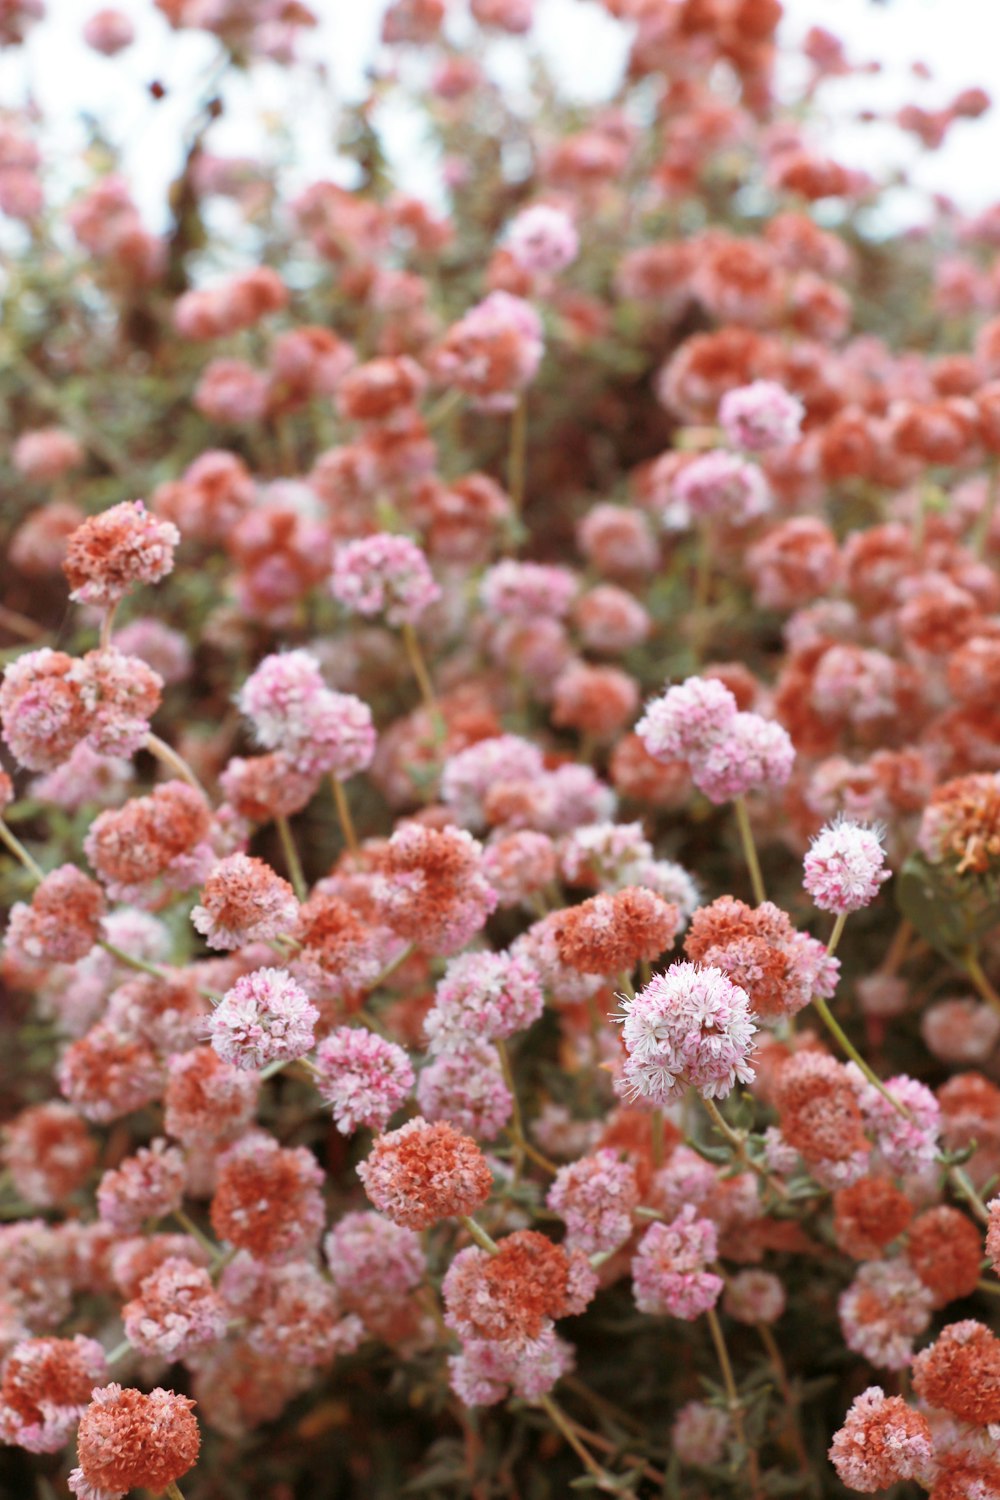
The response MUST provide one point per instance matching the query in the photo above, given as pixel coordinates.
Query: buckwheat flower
(363, 1077)
(135, 1258)
(466, 1087)
(945, 1249)
(721, 486)
(63, 921)
(868, 1215)
(152, 845)
(268, 1199)
(106, 1075)
(277, 695)
(543, 239)
(993, 1233)
(908, 1143)
(483, 995)
(43, 708)
(487, 1371)
(340, 954)
(176, 1311)
(148, 1185)
(883, 1310)
(294, 1314)
(519, 865)
(511, 1295)
(761, 416)
(232, 391)
(207, 1100)
(515, 590)
(844, 867)
(424, 1172)
(595, 1197)
(468, 776)
(121, 694)
(961, 1031)
(46, 453)
(429, 888)
(820, 1117)
(340, 738)
(128, 1439)
(780, 969)
(375, 1266)
(166, 651)
(492, 353)
(960, 1372)
(754, 1297)
(668, 1269)
(85, 778)
(385, 574)
(46, 1389)
(113, 552)
(960, 826)
(687, 720)
(610, 933)
(690, 1025)
(881, 1442)
(750, 754)
(266, 1017)
(699, 1432)
(48, 1152)
(244, 901)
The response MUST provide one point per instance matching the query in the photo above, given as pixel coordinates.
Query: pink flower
(881, 1442)
(844, 866)
(177, 1311)
(45, 453)
(754, 1297)
(882, 1312)
(698, 1433)
(595, 1197)
(751, 753)
(46, 1389)
(543, 239)
(231, 391)
(363, 1077)
(424, 1172)
(687, 720)
(244, 901)
(384, 574)
(761, 416)
(374, 1264)
(721, 486)
(470, 775)
(492, 353)
(487, 1371)
(294, 712)
(264, 1018)
(108, 32)
(466, 1087)
(668, 1269)
(112, 552)
(147, 1185)
(63, 922)
(485, 996)
(908, 1143)
(690, 1025)
(514, 590)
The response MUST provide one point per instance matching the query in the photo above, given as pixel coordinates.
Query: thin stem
(770, 1343)
(191, 1228)
(391, 967)
(835, 935)
(835, 1029)
(107, 625)
(561, 1422)
(292, 861)
(516, 1127)
(419, 666)
(657, 1132)
(962, 1184)
(984, 522)
(437, 414)
(118, 1352)
(172, 1491)
(605, 1445)
(993, 1287)
(174, 762)
(344, 814)
(517, 456)
(478, 1233)
(733, 1399)
(20, 853)
(749, 848)
(974, 969)
(739, 1145)
(130, 962)
(897, 948)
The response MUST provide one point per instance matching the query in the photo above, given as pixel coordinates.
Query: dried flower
(128, 1439)
(690, 1025)
(363, 1077)
(844, 866)
(266, 1017)
(421, 1173)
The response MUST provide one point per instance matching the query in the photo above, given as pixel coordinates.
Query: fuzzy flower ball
(668, 1269)
(845, 867)
(266, 1017)
(129, 1439)
(363, 1077)
(384, 574)
(543, 239)
(691, 1025)
(760, 416)
(881, 1442)
(485, 996)
(421, 1173)
(113, 552)
(687, 719)
(244, 901)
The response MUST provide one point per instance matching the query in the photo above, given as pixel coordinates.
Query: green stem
(749, 848)
(974, 969)
(118, 1352)
(174, 762)
(173, 1492)
(478, 1233)
(517, 457)
(20, 853)
(733, 1400)
(190, 1227)
(835, 935)
(516, 1127)
(739, 1145)
(344, 814)
(835, 1029)
(132, 963)
(415, 655)
(561, 1422)
(292, 861)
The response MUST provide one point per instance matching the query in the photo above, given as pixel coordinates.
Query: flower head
(363, 1077)
(266, 1017)
(668, 1269)
(844, 867)
(244, 901)
(690, 1025)
(421, 1173)
(881, 1442)
(760, 416)
(385, 574)
(129, 1439)
(113, 552)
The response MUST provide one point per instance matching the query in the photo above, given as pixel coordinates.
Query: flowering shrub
(501, 793)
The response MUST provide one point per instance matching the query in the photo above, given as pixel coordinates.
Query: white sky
(959, 39)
